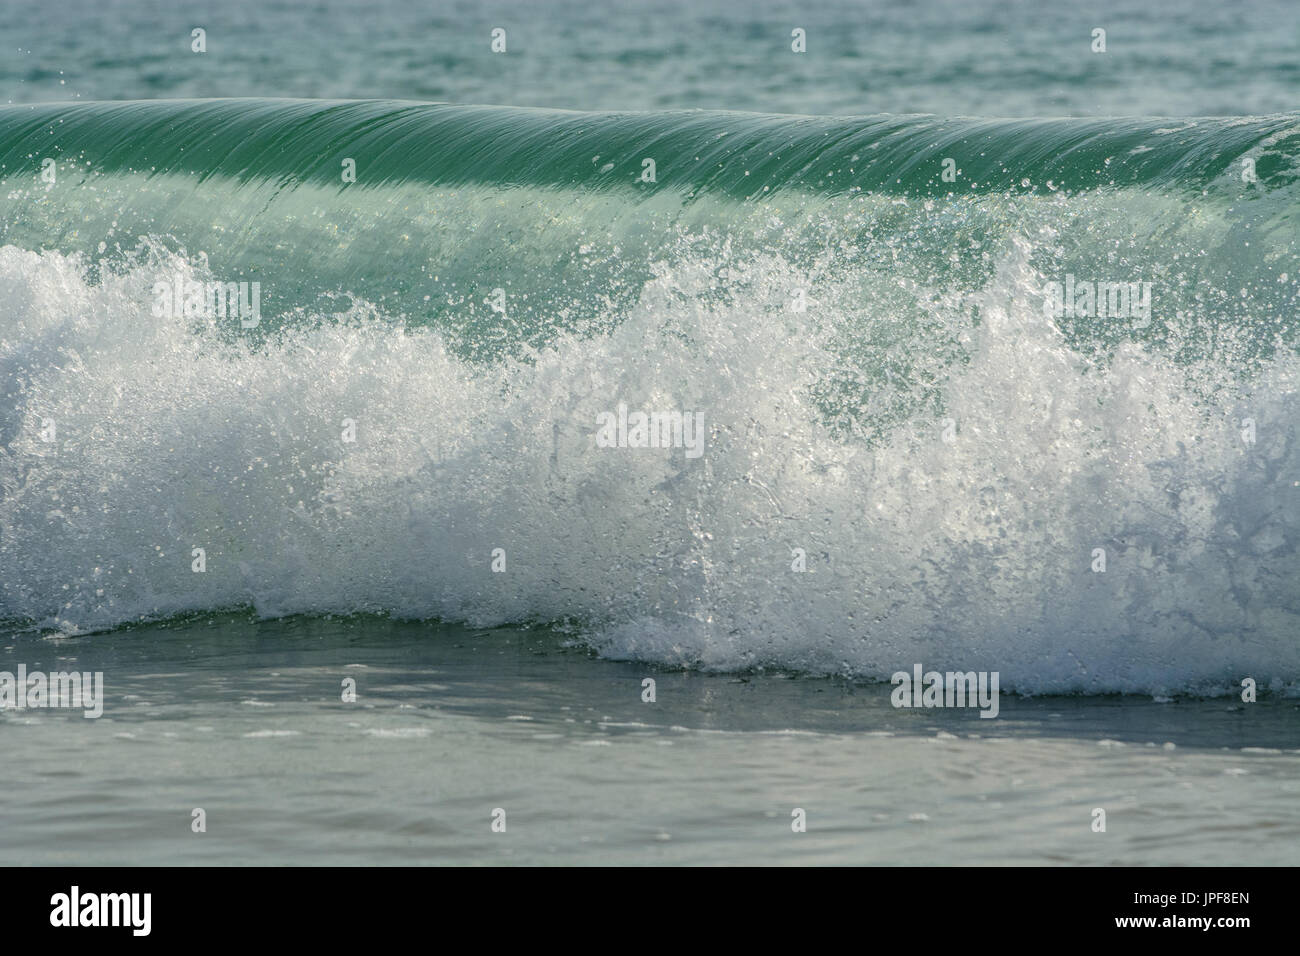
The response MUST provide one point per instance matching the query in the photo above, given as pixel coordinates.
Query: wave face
(866, 330)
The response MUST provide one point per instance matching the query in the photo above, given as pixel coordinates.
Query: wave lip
(741, 155)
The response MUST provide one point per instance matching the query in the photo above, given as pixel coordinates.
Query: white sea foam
(971, 554)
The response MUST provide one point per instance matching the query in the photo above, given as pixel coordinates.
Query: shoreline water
(244, 719)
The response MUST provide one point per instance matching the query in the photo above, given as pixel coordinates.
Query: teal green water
(727, 154)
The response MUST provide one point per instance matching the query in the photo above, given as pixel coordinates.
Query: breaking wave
(888, 403)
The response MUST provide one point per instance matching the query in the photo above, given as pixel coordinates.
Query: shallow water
(244, 719)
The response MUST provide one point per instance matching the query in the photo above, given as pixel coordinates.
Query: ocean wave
(942, 457)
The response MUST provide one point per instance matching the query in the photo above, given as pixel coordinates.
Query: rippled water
(949, 57)
(245, 721)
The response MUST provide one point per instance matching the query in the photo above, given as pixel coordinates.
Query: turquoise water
(394, 473)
